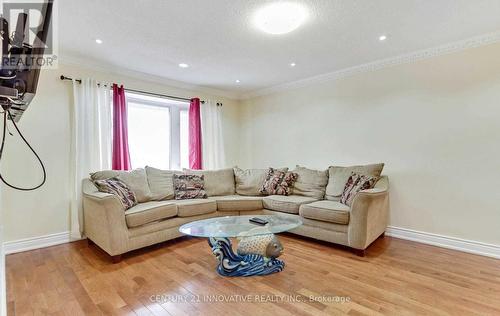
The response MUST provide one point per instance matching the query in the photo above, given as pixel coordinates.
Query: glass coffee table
(258, 247)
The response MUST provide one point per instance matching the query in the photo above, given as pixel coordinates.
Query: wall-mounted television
(20, 63)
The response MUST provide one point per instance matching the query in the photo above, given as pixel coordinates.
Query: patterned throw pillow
(189, 186)
(356, 183)
(278, 182)
(119, 188)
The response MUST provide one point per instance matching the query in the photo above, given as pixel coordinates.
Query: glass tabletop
(239, 226)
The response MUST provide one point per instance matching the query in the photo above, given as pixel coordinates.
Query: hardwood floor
(396, 277)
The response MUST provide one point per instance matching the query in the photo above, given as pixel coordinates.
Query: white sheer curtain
(212, 140)
(91, 137)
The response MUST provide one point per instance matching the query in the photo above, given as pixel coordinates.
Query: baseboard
(3, 295)
(21, 245)
(463, 245)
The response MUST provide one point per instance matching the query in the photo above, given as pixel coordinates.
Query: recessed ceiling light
(293, 64)
(98, 41)
(238, 81)
(183, 65)
(382, 38)
(280, 17)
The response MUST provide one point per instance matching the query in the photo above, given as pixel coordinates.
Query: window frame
(175, 107)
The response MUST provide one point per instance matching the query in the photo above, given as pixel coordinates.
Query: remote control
(258, 221)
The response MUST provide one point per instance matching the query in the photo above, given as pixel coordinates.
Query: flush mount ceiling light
(183, 65)
(293, 64)
(382, 38)
(280, 17)
(238, 81)
(98, 41)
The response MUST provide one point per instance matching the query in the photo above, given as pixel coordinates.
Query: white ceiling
(220, 43)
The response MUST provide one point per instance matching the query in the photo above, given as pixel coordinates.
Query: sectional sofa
(157, 218)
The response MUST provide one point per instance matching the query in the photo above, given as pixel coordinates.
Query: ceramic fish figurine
(265, 245)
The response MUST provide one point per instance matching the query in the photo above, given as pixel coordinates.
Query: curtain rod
(63, 77)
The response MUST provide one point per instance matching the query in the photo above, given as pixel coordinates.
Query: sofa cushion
(326, 211)
(338, 176)
(249, 181)
(286, 204)
(137, 181)
(149, 212)
(217, 182)
(186, 208)
(278, 182)
(238, 203)
(105, 174)
(161, 183)
(311, 183)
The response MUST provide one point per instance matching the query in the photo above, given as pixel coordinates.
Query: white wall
(435, 124)
(46, 126)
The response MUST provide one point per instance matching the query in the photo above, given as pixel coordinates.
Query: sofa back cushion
(217, 182)
(105, 174)
(135, 179)
(161, 183)
(338, 176)
(311, 183)
(249, 181)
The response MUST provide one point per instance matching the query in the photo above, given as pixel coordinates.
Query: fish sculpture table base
(233, 264)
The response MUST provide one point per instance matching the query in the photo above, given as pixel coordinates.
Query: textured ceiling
(220, 43)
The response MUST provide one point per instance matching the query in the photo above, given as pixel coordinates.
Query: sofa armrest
(104, 219)
(369, 215)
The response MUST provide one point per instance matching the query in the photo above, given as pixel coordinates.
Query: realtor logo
(32, 37)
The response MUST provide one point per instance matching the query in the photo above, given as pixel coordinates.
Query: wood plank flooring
(396, 277)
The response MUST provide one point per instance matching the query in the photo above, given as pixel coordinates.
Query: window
(157, 132)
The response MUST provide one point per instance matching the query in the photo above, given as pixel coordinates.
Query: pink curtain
(121, 156)
(194, 134)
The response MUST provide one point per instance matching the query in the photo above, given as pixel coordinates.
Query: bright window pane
(184, 138)
(149, 135)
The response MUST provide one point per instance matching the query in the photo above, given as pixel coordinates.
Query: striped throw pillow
(119, 188)
(356, 183)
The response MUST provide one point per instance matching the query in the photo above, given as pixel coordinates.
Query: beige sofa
(117, 231)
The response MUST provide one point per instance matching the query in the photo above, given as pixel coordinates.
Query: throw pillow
(355, 184)
(338, 177)
(278, 182)
(249, 181)
(119, 188)
(310, 183)
(189, 186)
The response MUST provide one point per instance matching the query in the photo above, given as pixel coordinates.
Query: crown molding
(477, 41)
(409, 58)
(71, 60)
